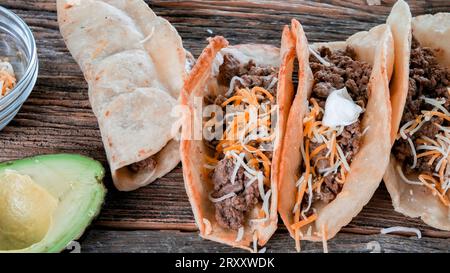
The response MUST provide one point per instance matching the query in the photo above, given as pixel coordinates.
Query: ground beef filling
(148, 164)
(426, 78)
(345, 71)
(251, 75)
(230, 213)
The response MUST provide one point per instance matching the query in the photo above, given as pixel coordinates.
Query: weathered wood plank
(174, 241)
(164, 205)
(57, 117)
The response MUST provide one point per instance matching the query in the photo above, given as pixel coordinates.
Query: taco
(336, 144)
(418, 176)
(231, 178)
(134, 63)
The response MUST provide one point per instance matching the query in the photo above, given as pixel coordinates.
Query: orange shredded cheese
(424, 178)
(225, 103)
(241, 145)
(304, 222)
(438, 114)
(317, 150)
(8, 82)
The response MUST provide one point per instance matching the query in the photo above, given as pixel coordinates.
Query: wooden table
(57, 118)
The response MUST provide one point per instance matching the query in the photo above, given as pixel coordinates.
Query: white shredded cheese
(404, 127)
(318, 57)
(342, 157)
(255, 242)
(300, 180)
(233, 84)
(324, 239)
(237, 165)
(438, 104)
(265, 205)
(240, 234)
(413, 151)
(272, 83)
(251, 181)
(260, 177)
(402, 229)
(406, 180)
(332, 169)
(7, 67)
(246, 167)
(226, 196)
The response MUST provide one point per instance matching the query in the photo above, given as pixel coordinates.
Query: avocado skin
(64, 168)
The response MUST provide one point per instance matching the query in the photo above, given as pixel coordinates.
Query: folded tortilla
(369, 163)
(134, 63)
(203, 82)
(431, 31)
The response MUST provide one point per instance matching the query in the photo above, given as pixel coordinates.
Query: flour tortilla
(134, 63)
(201, 82)
(368, 166)
(431, 31)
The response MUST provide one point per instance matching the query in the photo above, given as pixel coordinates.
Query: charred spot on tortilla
(423, 140)
(340, 90)
(241, 173)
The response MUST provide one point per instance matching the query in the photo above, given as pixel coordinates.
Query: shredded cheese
(325, 138)
(226, 196)
(248, 131)
(236, 168)
(7, 78)
(255, 242)
(437, 149)
(233, 84)
(324, 239)
(402, 175)
(304, 222)
(318, 57)
(402, 229)
(240, 234)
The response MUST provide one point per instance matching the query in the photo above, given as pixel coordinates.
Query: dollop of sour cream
(340, 109)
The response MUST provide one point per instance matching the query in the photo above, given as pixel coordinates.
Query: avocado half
(75, 182)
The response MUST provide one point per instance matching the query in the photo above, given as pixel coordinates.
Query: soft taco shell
(368, 166)
(134, 63)
(431, 31)
(201, 82)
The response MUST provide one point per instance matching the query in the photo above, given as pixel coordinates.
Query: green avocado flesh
(50, 200)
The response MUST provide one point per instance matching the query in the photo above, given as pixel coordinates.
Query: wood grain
(57, 118)
(175, 241)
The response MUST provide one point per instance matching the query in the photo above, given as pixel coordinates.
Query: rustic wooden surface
(57, 118)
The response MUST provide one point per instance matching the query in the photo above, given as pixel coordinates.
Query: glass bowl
(18, 46)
